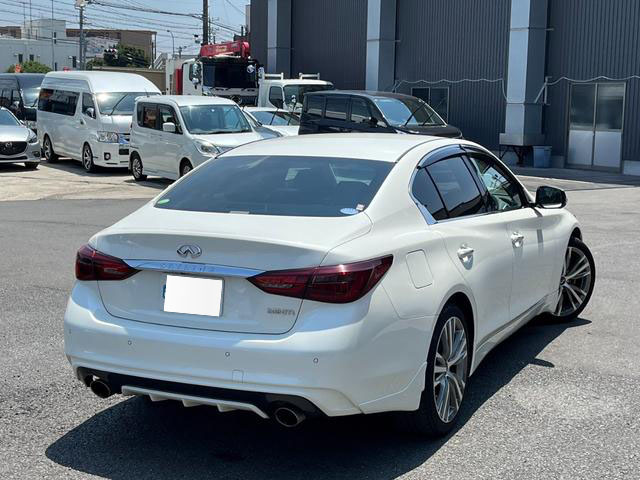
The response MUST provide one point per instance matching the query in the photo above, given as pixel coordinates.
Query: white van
(173, 134)
(275, 91)
(87, 116)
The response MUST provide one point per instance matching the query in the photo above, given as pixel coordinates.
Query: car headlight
(108, 137)
(207, 148)
(33, 138)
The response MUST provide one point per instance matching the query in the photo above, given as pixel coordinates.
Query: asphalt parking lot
(553, 401)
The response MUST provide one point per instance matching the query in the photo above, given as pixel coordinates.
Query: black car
(335, 111)
(19, 93)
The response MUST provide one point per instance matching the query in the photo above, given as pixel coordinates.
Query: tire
(87, 159)
(444, 386)
(185, 167)
(47, 150)
(576, 282)
(31, 165)
(137, 169)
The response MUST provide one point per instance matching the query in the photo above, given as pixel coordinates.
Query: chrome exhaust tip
(289, 416)
(101, 388)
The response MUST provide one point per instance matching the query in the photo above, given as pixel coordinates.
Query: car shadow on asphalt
(140, 439)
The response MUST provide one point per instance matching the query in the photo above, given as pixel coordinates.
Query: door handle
(517, 239)
(465, 253)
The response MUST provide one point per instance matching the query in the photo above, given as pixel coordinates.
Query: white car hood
(230, 140)
(116, 123)
(18, 133)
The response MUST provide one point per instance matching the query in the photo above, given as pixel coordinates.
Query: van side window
(315, 105)
(424, 191)
(360, 111)
(87, 102)
(168, 115)
(275, 96)
(61, 102)
(5, 98)
(336, 108)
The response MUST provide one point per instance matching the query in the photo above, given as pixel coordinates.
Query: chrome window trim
(204, 269)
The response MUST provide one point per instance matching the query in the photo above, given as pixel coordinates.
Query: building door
(596, 112)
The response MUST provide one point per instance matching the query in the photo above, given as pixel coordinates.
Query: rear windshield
(279, 185)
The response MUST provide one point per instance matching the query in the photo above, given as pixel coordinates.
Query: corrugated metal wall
(258, 33)
(589, 38)
(456, 39)
(330, 37)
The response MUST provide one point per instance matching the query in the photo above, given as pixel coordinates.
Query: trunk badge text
(194, 250)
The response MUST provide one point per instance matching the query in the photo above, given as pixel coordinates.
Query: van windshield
(210, 119)
(119, 103)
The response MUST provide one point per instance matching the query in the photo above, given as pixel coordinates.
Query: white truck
(275, 91)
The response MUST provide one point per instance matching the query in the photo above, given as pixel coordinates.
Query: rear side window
(315, 105)
(147, 116)
(456, 186)
(336, 108)
(62, 102)
(279, 185)
(424, 191)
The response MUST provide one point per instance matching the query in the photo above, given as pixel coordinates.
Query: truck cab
(275, 91)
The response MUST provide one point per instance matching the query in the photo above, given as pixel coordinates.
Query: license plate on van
(193, 295)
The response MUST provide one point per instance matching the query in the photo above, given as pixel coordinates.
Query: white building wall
(12, 48)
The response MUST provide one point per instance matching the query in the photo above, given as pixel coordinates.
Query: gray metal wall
(258, 33)
(589, 38)
(330, 37)
(456, 39)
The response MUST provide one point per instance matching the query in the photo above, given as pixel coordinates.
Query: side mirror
(15, 106)
(550, 197)
(376, 123)
(90, 112)
(169, 127)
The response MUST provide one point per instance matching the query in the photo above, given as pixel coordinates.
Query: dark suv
(19, 93)
(335, 111)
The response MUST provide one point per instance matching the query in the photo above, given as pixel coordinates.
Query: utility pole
(205, 22)
(53, 50)
(80, 4)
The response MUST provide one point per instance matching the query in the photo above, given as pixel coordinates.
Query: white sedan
(281, 121)
(324, 275)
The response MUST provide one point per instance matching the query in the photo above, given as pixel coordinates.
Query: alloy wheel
(87, 159)
(137, 168)
(47, 148)
(450, 369)
(186, 169)
(575, 282)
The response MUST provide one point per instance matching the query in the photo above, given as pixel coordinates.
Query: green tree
(126, 56)
(95, 62)
(30, 66)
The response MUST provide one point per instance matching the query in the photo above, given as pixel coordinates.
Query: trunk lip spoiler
(205, 269)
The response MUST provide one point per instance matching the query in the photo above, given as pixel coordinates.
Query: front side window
(456, 187)
(503, 194)
(87, 103)
(210, 119)
(275, 96)
(280, 185)
(360, 111)
(121, 103)
(7, 119)
(336, 108)
(407, 112)
(167, 115)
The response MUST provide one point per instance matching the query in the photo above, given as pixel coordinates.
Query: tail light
(94, 265)
(335, 284)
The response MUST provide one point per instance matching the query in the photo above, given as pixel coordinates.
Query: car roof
(386, 147)
(265, 109)
(372, 94)
(100, 81)
(186, 100)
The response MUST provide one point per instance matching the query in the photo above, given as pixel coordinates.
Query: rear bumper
(362, 367)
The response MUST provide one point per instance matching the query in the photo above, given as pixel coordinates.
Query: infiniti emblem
(193, 250)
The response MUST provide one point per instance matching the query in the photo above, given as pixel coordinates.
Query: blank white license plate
(194, 296)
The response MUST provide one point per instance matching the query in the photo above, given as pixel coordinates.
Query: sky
(227, 12)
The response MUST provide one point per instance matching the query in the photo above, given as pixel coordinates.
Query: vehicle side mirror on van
(90, 112)
(169, 127)
(550, 197)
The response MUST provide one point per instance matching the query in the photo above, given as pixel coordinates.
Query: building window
(31, 57)
(20, 58)
(74, 62)
(436, 97)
